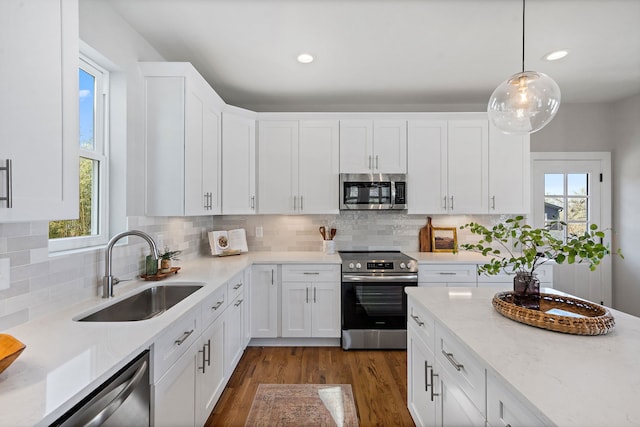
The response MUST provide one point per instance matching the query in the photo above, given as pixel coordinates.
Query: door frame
(604, 158)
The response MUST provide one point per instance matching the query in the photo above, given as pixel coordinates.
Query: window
(90, 228)
(566, 198)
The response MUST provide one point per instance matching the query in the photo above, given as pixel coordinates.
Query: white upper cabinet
(39, 109)
(238, 164)
(182, 137)
(447, 166)
(298, 167)
(509, 173)
(467, 164)
(378, 146)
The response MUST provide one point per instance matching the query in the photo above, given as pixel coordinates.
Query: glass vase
(151, 266)
(526, 291)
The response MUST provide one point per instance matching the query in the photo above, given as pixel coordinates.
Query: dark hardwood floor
(378, 380)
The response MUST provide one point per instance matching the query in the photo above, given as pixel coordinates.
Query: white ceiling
(392, 54)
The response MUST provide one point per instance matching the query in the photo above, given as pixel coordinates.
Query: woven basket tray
(593, 319)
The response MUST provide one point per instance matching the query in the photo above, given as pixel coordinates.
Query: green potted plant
(517, 247)
(165, 259)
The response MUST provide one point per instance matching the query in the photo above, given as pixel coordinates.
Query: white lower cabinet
(447, 385)
(264, 297)
(210, 370)
(311, 301)
(234, 338)
(450, 275)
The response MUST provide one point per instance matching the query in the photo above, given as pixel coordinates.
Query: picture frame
(444, 239)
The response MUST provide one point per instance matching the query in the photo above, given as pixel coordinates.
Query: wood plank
(378, 379)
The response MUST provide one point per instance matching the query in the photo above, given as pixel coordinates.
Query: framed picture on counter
(444, 239)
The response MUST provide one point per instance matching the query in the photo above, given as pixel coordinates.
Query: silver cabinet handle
(294, 202)
(237, 286)
(184, 337)
(253, 202)
(417, 320)
(451, 202)
(433, 386)
(9, 170)
(117, 401)
(447, 273)
(426, 376)
(237, 303)
(369, 161)
(452, 360)
(272, 277)
(311, 272)
(301, 205)
(204, 359)
(314, 295)
(493, 202)
(208, 344)
(307, 297)
(377, 167)
(444, 205)
(206, 201)
(217, 306)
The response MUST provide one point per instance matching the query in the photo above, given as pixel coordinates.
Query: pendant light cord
(523, 4)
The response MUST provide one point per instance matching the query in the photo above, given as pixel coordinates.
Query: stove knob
(358, 265)
(351, 265)
(403, 265)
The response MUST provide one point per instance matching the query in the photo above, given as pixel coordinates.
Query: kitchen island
(559, 379)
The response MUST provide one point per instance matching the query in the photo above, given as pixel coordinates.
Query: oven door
(374, 305)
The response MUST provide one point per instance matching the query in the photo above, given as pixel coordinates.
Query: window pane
(577, 184)
(86, 224)
(553, 184)
(553, 209)
(577, 209)
(87, 110)
(577, 229)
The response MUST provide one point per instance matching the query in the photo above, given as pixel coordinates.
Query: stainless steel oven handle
(117, 401)
(398, 278)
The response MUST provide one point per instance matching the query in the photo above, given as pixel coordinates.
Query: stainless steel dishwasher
(122, 400)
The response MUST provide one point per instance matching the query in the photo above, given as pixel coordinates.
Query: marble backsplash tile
(41, 283)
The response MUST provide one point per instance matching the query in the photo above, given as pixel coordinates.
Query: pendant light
(525, 102)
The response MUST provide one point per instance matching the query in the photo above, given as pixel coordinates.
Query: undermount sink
(150, 302)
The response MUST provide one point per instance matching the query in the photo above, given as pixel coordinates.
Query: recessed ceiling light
(555, 55)
(305, 58)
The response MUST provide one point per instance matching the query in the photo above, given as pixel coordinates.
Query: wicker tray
(583, 317)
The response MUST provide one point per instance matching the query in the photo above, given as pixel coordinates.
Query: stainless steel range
(374, 304)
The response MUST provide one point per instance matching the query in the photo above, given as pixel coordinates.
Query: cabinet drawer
(462, 366)
(544, 273)
(235, 286)
(311, 273)
(423, 322)
(214, 305)
(174, 342)
(504, 408)
(439, 273)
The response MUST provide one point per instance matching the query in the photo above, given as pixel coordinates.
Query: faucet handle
(116, 280)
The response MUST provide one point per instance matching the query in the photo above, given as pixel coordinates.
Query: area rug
(303, 405)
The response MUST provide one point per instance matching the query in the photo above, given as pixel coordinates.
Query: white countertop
(573, 380)
(65, 359)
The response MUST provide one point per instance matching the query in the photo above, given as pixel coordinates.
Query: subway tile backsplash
(41, 283)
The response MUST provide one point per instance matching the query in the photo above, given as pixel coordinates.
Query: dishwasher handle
(117, 401)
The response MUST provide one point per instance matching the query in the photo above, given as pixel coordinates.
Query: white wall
(626, 201)
(613, 127)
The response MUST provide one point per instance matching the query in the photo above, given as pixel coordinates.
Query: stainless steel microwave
(373, 191)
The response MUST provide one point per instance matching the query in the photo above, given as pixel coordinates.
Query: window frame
(100, 154)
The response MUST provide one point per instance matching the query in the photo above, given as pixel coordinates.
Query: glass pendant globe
(524, 103)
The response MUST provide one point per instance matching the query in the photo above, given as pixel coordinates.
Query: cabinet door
(211, 159)
(174, 393)
(318, 168)
(325, 313)
(234, 334)
(277, 167)
(196, 198)
(420, 392)
(504, 408)
(454, 408)
(238, 165)
(210, 374)
(509, 176)
(389, 146)
(467, 151)
(264, 301)
(39, 109)
(427, 166)
(296, 309)
(356, 146)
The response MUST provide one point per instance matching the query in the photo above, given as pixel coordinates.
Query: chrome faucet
(108, 280)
